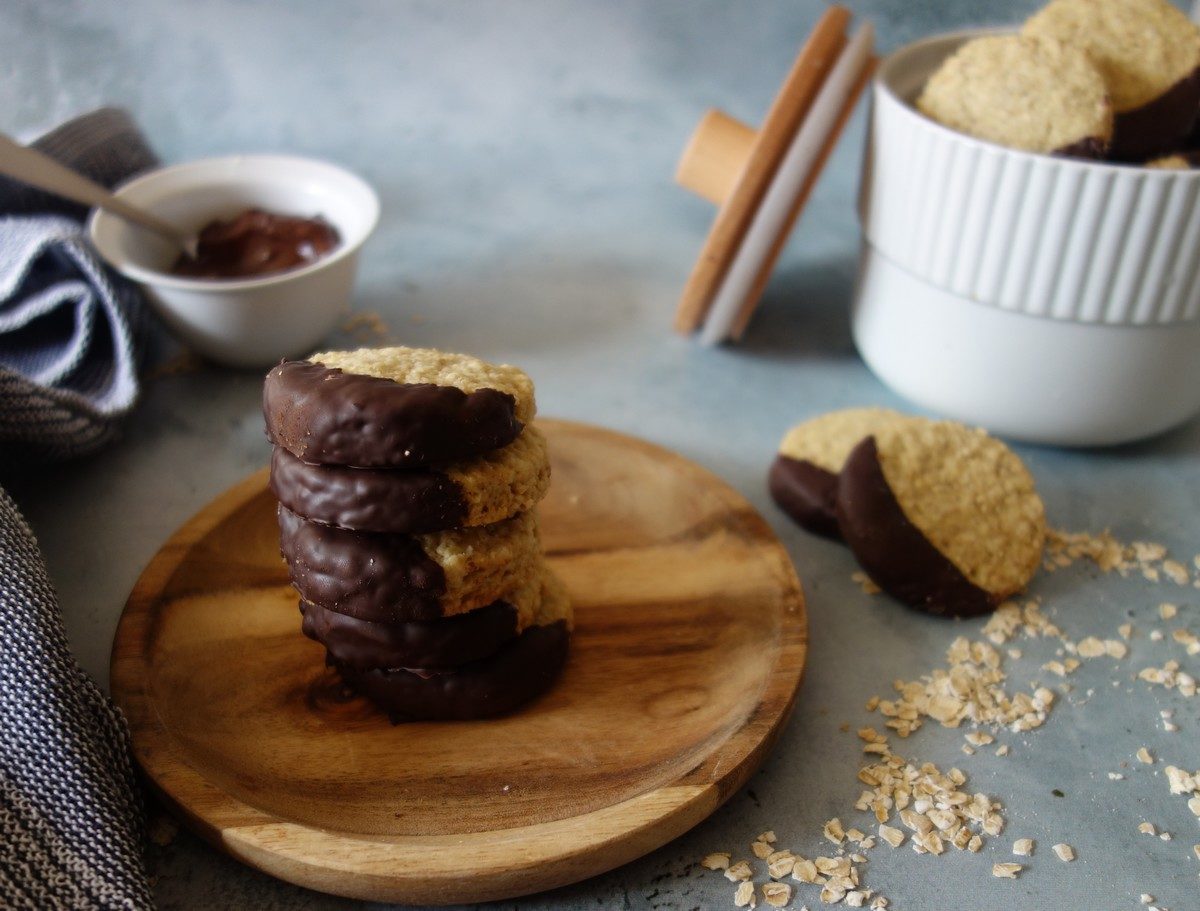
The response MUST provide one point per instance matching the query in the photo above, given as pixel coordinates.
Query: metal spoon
(33, 167)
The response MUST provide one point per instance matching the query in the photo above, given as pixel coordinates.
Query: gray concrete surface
(523, 152)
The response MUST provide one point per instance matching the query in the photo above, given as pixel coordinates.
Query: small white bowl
(243, 322)
(1045, 298)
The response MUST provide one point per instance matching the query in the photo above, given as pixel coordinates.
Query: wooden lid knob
(715, 156)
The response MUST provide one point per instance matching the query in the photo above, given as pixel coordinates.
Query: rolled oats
(777, 894)
(744, 896)
(716, 861)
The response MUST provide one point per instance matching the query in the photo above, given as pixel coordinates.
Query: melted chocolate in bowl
(255, 243)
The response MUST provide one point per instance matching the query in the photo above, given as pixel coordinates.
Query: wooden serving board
(689, 646)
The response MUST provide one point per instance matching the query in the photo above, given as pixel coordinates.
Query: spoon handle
(32, 167)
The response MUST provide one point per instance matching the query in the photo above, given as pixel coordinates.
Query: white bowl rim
(346, 248)
(883, 84)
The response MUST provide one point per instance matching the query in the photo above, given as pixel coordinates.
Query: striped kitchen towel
(71, 330)
(71, 823)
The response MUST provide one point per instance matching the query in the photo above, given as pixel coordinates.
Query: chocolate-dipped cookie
(394, 407)
(943, 517)
(388, 578)
(1148, 53)
(478, 491)
(444, 643)
(524, 668)
(1040, 95)
(803, 477)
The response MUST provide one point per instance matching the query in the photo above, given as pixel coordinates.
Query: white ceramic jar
(1047, 299)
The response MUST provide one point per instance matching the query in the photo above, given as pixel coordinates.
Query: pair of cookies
(1102, 79)
(406, 481)
(942, 516)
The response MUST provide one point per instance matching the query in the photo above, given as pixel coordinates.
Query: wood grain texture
(689, 646)
(796, 95)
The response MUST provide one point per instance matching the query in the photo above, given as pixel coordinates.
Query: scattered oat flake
(805, 871)
(761, 850)
(744, 896)
(1065, 852)
(1175, 571)
(1144, 756)
(739, 872)
(1126, 630)
(1166, 610)
(865, 583)
(833, 831)
(1145, 898)
(1156, 635)
(1115, 776)
(1006, 870)
(1023, 847)
(366, 327)
(768, 837)
(1091, 647)
(1147, 828)
(1181, 782)
(718, 860)
(893, 836)
(777, 894)
(1171, 677)
(1115, 648)
(780, 864)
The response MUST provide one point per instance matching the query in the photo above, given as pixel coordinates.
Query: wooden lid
(761, 179)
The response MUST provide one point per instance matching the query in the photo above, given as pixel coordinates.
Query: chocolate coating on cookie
(807, 493)
(894, 552)
(365, 499)
(1160, 126)
(326, 416)
(444, 643)
(496, 685)
(1091, 148)
(381, 578)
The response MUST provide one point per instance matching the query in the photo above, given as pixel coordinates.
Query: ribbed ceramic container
(1045, 298)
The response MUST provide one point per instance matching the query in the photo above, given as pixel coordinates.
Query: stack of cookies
(407, 480)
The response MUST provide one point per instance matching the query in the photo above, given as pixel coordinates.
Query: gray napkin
(71, 331)
(71, 824)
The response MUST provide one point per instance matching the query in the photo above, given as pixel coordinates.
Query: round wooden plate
(689, 645)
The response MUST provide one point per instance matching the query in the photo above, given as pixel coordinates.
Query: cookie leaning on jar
(941, 516)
